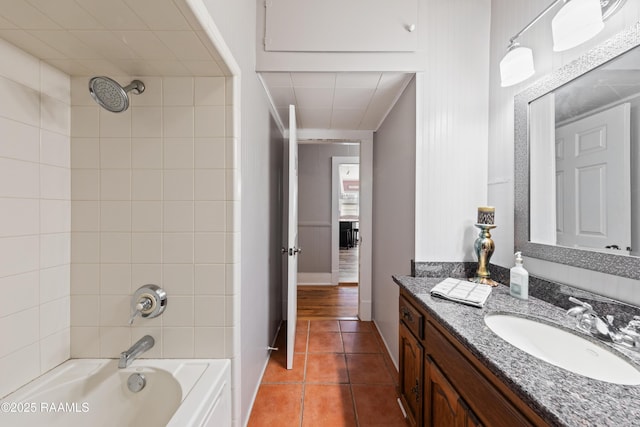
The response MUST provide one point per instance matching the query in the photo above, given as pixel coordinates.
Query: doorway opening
(349, 219)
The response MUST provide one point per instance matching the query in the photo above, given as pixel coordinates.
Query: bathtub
(94, 392)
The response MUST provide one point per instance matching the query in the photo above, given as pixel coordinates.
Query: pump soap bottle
(519, 279)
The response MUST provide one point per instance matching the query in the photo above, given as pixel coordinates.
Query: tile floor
(342, 376)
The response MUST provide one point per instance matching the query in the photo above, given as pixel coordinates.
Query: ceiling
(343, 101)
(113, 37)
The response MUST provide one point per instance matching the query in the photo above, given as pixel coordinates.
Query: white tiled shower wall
(153, 202)
(35, 218)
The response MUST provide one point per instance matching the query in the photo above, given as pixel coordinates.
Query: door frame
(336, 161)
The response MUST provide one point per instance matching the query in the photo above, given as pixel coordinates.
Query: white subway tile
(114, 340)
(54, 349)
(147, 185)
(19, 217)
(210, 184)
(18, 255)
(209, 343)
(178, 122)
(19, 141)
(80, 95)
(115, 153)
(19, 66)
(85, 122)
(55, 182)
(18, 368)
(55, 149)
(209, 248)
(55, 115)
(115, 279)
(115, 184)
(177, 279)
(85, 153)
(54, 316)
(210, 91)
(55, 216)
(177, 91)
(181, 312)
(146, 248)
(115, 310)
(209, 121)
(25, 102)
(232, 248)
(209, 310)
(115, 247)
(210, 216)
(55, 283)
(55, 249)
(210, 153)
(178, 216)
(177, 342)
(85, 279)
(19, 179)
(19, 292)
(177, 248)
(146, 122)
(18, 330)
(178, 184)
(178, 155)
(85, 247)
(232, 154)
(115, 216)
(142, 274)
(115, 125)
(209, 279)
(146, 216)
(146, 153)
(86, 215)
(85, 342)
(85, 184)
(55, 83)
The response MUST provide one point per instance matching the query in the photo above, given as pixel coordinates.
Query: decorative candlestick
(484, 246)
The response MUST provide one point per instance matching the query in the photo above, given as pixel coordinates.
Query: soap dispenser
(519, 279)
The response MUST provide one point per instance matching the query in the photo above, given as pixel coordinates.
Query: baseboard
(393, 360)
(364, 309)
(315, 279)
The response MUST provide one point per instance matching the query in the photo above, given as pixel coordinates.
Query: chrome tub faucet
(143, 344)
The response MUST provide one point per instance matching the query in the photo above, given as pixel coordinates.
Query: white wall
(507, 18)
(35, 217)
(393, 211)
(260, 292)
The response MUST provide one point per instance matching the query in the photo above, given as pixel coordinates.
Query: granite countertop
(559, 396)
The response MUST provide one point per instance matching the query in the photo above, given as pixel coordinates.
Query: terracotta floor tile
(277, 405)
(300, 345)
(277, 371)
(377, 405)
(326, 368)
(325, 342)
(325, 325)
(356, 326)
(368, 369)
(328, 405)
(357, 342)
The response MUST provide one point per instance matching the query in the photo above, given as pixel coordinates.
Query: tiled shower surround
(152, 202)
(95, 204)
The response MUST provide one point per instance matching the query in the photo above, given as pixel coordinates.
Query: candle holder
(484, 248)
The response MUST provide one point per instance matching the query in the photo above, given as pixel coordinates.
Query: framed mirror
(577, 161)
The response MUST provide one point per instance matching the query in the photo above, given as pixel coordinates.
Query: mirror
(577, 147)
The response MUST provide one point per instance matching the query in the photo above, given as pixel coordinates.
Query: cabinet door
(411, 374)
(441, 399)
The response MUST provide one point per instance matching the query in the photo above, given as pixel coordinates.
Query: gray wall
(314, 203)
(394, 177)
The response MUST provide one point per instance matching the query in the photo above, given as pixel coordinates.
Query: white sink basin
(563, 348)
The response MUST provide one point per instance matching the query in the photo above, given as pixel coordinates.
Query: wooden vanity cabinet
(443, 385)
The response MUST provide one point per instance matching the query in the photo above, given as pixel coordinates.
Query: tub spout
(142, 345)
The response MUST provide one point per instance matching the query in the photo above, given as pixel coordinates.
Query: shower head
(110, 95)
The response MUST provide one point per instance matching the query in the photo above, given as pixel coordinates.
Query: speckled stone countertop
(559, 396)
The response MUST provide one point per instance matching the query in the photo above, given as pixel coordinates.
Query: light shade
(517, 65)
(575, 23)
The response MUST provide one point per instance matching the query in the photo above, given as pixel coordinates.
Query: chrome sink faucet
(142, 345)
(589, 321)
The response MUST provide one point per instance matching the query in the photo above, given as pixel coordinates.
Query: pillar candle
(486, 214)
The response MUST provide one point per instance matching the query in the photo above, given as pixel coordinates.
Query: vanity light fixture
(576, 22)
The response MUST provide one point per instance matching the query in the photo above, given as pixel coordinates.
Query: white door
(292, 239)
(593, 170)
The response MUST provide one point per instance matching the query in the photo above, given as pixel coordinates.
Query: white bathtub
(94, 392)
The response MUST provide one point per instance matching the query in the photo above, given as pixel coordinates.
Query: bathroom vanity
(454, 371)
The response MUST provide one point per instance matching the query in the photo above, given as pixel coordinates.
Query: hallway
(342, 376)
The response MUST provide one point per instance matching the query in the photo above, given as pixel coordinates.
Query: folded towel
(475, 294)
